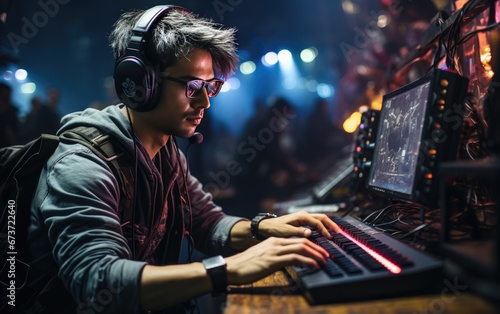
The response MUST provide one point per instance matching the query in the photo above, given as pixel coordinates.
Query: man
(111, 264)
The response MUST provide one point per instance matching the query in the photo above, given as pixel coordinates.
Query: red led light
(393, 268)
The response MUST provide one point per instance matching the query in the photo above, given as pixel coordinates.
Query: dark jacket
(78, 230)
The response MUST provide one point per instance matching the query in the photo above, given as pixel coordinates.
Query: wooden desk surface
(275, 294)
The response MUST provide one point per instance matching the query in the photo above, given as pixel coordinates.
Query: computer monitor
(419, 127)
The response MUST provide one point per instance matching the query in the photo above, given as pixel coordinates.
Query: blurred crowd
(43, 117)
(280, 152)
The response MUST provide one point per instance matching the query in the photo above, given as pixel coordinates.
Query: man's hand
(294, 225)
(271, 255)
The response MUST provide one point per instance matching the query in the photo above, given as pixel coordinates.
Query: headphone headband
(149, 19)
(135, 76)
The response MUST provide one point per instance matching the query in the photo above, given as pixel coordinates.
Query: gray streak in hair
(175, 36)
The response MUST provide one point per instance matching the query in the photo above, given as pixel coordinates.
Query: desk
(276, 294)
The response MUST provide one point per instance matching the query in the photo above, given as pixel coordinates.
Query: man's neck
(150, 140)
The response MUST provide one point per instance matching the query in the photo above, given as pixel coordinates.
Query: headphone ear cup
(136, 83)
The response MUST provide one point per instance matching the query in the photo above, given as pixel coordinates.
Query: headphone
(136, 79)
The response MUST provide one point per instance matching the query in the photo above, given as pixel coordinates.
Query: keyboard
(341, 173)
(364, 264)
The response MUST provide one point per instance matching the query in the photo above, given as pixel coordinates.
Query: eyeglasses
(194, 87)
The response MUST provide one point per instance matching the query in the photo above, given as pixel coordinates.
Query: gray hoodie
(76, 230)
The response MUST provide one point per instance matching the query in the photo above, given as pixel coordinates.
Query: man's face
(175, 113)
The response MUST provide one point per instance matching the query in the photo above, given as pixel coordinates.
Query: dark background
(69, 48)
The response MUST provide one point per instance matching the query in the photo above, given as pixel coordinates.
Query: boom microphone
(196, 138)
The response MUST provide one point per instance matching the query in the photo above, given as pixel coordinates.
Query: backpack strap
(111, 150)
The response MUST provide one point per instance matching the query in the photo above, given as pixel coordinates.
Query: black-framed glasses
(194, 87)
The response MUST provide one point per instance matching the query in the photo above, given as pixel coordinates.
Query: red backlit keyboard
(364, 264)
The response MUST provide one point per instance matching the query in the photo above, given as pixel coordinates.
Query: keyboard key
(332, 270)
(347, 265)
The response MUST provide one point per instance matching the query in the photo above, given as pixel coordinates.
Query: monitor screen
(395, 159)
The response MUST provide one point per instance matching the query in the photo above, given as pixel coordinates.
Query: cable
(190, 239)
(437, 55)
(455, 32)
(379, 212)
(451, 34)
(134, 200)
(184, 175)
(470, 34)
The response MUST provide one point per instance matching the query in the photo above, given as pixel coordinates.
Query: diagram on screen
(399, 139)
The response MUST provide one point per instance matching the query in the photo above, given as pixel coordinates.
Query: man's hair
(175, 36)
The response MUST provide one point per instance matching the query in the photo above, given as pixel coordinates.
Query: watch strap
(216, 270)
(254, 225)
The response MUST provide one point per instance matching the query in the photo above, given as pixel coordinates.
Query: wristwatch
(216, 270)
(254, 225)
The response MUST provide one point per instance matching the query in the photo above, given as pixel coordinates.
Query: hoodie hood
(111, 120)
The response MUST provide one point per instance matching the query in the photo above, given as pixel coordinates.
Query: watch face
(215, 261)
